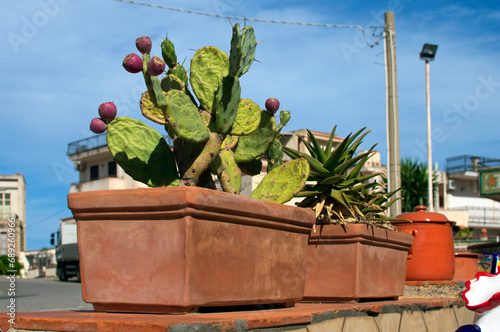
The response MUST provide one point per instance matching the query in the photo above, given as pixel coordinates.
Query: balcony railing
(482, 215)
(86, 144)
(470, 163)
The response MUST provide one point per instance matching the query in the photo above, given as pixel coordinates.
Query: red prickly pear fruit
(143, 44)
(98, 126)
(272, 105)
(107, 111)
(132, 63)
(156, 66)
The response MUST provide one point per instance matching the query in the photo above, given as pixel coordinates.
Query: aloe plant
(337, 190)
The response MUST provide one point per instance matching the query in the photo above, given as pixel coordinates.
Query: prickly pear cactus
(275, 152)
(142, 152)
(283, 182)
(208, 67)
(214, 133)
(257, 143)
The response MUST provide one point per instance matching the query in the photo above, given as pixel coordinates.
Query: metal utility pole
(393, 159)
(429, 140)
(428, 54)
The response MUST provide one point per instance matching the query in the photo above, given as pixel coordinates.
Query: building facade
(461, 192)
(12, 208)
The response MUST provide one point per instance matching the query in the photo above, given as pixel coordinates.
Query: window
(3, 243)
(94, 172)
(112, 169)
(5, 205)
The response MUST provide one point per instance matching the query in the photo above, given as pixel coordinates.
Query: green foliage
(414, 184)
(464, 232)
(215, 134)
(5, 266)
(339, 192)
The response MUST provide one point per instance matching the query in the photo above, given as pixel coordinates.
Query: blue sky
(62, 58)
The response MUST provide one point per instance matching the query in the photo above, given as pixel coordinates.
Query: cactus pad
(229, 142)
(208, 66)
(248, 118)
(168, 52)
(242, 52)
(150, 111)
(256, 144)
(170, 82)
(226, 103)
(180, 72)
(283, 182)
(251, 168)
(183, 118)
(230, 177)
(142, 152)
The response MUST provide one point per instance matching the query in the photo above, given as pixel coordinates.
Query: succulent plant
(339, 192)
(214, 132)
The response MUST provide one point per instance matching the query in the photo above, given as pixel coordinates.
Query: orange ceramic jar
(432, 256)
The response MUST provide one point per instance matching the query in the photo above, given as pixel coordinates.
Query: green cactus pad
(248, 118)
(229, 142)
(230, 177)
(284, 118)
(180, 72)
(150, 111)
(242, 54)
(251, 168)
(282, 183)
(142, 152)
(183, 118)
(208, 66)
(168, 53)
(249, 44)
(226, 103)
(170, 82)
(235, 52)
(274, 154)
(254, 145)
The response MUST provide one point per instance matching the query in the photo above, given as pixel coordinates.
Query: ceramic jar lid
(421, 215)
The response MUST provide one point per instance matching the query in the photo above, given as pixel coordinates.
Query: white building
(12, 207)
(461, 194)
(97, 170)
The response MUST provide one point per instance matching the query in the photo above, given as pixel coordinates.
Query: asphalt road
(43, 294)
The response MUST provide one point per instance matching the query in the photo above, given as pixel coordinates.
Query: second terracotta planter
(172, 250)
(355, 262)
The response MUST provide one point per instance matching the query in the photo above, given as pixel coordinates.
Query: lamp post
(428, 53)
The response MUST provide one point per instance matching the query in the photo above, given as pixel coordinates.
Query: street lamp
(428, 53)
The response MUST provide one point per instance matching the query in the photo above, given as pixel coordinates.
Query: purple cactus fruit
(132, 63)
(97, 126)
(143, 44)
(107, 111)
(272, 105)
(156, 66)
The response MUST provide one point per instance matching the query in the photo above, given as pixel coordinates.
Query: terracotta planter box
(466, 266)
(360, 262)
(172, 250)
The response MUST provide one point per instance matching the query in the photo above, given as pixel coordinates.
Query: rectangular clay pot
(172, 250)
(466, 266)
(356, 262)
